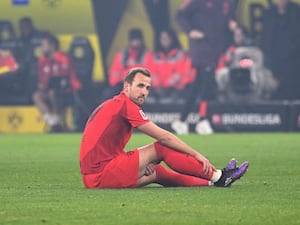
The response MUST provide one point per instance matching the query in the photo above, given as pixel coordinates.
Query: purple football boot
(231, 165)
(230, 176)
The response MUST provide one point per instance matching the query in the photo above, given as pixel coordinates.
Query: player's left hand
(208, 168)
(150, 169)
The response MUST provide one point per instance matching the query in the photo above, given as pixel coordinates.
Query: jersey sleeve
(134, 114)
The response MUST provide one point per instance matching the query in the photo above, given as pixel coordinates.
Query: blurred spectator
(28, 32)
(8, 73)
(205, 23)
(8, 65)
(171, 66)
(240, 39)
(14, 83)
(240, 75)
(30, 42)
(57, 81)
(280, 41)
(134, 55)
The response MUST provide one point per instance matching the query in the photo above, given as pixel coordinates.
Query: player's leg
(177, 161)
(169, 178)
(183, 164)
(53, 98)
(121, 172)
(180, 126)
(147, 155)
(40, 101)
(208, 90)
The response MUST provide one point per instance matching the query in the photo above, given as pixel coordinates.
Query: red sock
(169, 178)
(203, 109)
(181, 163)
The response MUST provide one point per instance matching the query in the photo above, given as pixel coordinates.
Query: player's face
(47, 49)
(136, 43)
(165, 40)
(139, 89)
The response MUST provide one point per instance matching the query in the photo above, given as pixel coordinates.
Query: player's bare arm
(168, 139)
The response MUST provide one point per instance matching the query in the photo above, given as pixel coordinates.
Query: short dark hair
(51, 39)
(26, 20)
(132, 72)
(174, 39)
(135, 33)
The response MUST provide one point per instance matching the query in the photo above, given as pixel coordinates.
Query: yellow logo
(79, 52)
(15, 120)
(5, 35)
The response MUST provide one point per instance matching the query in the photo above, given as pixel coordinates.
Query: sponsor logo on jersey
(143, 115)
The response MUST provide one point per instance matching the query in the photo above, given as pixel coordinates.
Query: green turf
(41, 184)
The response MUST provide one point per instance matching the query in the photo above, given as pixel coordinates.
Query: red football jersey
(107, 132)
(59, 65)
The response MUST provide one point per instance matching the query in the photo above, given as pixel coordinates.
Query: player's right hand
(150, 169)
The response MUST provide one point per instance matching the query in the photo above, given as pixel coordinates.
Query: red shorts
(121, 172)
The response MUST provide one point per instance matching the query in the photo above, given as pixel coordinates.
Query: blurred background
(59, 59)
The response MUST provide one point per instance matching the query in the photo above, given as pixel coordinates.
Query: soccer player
(105, 164)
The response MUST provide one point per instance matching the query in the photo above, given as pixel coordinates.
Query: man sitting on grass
(105, 164)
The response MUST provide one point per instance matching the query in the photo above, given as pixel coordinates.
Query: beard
(139, 100)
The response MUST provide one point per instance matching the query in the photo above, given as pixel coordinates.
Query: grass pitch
(40, 183)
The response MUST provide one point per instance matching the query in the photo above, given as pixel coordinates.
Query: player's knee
(148, 153)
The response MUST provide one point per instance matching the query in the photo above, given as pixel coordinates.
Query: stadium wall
(264, 117)
(26, 119)
(281, 116)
